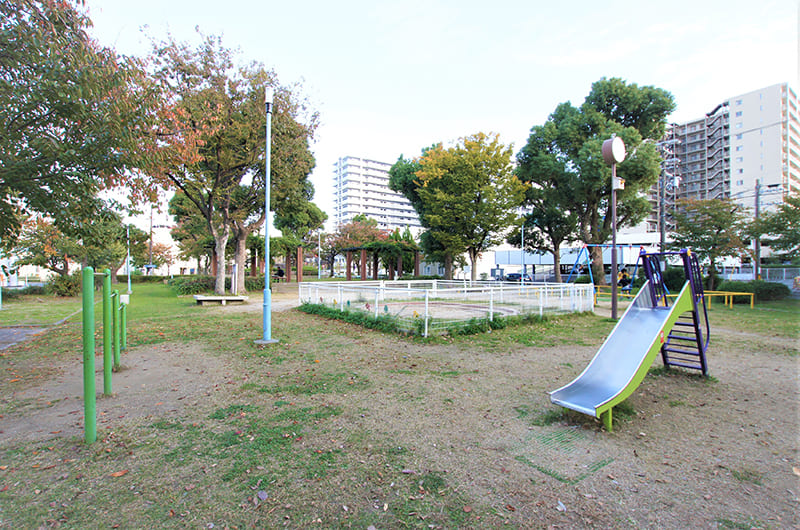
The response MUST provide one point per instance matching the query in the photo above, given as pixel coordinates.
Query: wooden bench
(203, 299)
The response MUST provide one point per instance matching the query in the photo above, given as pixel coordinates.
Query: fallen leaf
(119, 473)
(796, 471)
(262, 495)
(467, 509)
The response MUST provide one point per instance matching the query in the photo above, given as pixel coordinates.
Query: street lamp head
(269, 95)
(614, 150)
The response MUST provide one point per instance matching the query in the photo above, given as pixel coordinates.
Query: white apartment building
(361, 186)
(746, 149)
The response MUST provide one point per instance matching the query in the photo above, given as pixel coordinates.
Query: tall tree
(211, 131)
(212, 138)
(71, 112)
(713, 228)
(549, 223)
(470, 195)
(574, 136)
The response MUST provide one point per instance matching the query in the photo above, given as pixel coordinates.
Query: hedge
(764, 291)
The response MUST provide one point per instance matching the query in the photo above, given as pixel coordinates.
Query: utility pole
(757, 264)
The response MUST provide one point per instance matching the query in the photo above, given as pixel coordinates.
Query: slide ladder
(686, 344)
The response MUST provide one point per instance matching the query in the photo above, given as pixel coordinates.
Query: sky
(391, 77)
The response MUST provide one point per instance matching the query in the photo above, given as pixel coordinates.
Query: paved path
(14, 335)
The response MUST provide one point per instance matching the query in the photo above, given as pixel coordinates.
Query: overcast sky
(391, 77)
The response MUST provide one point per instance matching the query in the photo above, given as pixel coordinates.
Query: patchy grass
(337, 426)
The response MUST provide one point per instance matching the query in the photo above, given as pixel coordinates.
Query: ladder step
(684, 365)
(682, 352)
(682, 337)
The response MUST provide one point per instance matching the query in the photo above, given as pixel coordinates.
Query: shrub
(184, 285)
(770, 290)
(13, 294)
(66, 285)
(763, 291)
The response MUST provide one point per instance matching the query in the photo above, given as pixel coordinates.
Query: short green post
(124, 315)
(115, 310)
(89, 397)
(107, 331)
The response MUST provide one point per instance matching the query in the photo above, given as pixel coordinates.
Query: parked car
(517, 277)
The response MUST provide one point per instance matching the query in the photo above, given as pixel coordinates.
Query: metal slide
(625, 357)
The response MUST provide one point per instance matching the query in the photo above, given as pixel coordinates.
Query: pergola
(394, 249)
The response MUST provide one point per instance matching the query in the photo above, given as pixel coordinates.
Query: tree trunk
(557, 261)
(473, 258)
(220, 241)
(240, 258)
(598, 270)
(448, 266)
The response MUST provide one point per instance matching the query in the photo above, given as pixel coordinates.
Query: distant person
(279, 273)
(624, 278)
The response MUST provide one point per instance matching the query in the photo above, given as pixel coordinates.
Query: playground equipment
(655, 321)
(114, 341)
(584, 259)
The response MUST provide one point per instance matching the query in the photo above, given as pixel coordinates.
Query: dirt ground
(723, 453)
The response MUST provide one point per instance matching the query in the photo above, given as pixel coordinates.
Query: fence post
(491, 306)
(124, 315)
(541, 304)
(377, 295)
(426, 313)
(89, 397)
(107, 331)
(115, 309)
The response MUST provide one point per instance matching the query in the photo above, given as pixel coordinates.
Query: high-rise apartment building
(748, 146)
(361, 186)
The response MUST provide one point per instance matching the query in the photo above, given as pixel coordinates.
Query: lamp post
(128, 259)
(613, 154)
(266, 337)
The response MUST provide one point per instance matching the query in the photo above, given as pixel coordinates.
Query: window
(740, 182)
(739, 125)
(740, 159)
(740, 171)
(738, 113)
(739, 147)
(739, 136)
(738, 102)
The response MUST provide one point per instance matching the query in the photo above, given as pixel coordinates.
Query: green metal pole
(124, 315)
(107, 330)
(115, 309)
(89, 397)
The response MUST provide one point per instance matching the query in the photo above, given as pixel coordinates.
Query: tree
(71, 112)
(470, 195)
(782, 227)
(41, 243)
(714, 228)
(212, 138)
(549, 223)
(573, 136)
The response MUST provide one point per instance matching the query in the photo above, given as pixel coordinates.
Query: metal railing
(435, 306)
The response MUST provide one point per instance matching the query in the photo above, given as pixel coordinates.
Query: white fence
(434, 306)
(769, 274)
